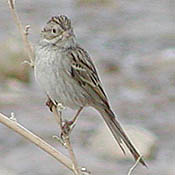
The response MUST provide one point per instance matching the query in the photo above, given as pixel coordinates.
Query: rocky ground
(133, 46)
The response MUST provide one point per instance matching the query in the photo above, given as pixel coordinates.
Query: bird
(67, 75)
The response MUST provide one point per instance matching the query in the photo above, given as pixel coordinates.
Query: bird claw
(50, 104)
(67, 127)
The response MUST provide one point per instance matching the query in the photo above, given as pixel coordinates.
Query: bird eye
(54, 30)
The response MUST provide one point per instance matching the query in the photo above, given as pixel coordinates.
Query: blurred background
(133, 46)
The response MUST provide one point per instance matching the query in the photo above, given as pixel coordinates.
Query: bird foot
(50, 104)
(67, 127)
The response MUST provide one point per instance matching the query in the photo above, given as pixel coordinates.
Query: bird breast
(52, 74)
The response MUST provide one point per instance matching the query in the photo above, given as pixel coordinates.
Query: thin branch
(15, 126)
(23, 31)
(58, 116)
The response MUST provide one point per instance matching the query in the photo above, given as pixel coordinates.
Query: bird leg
(67, 126)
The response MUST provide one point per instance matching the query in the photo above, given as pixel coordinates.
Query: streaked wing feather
(84, 71)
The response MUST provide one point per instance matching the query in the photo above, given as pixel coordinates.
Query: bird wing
(84, 72)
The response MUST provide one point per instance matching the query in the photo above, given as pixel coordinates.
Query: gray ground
(133, 46)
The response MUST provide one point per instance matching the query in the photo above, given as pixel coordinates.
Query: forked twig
(58, 117)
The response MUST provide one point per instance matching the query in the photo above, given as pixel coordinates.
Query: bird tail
(119, 134)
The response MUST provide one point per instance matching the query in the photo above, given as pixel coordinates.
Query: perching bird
(68, 76)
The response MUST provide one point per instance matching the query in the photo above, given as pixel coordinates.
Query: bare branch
(15, 126)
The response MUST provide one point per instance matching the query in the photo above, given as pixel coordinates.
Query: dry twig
(23, 32)
(15, 126)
